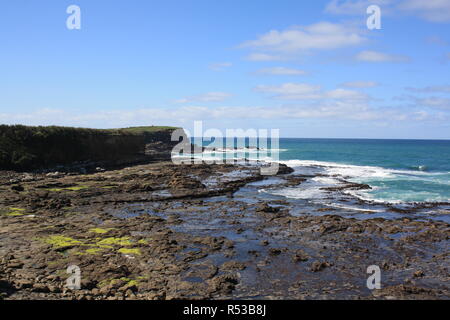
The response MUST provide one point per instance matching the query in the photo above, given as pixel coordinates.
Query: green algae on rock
(101, 230)
(13, 212)
(59, 241)
(130, 251)
(76, 188)
(124, 241)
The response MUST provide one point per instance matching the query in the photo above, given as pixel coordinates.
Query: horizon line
(416, 139)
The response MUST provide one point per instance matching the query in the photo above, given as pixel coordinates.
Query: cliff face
(25, 148)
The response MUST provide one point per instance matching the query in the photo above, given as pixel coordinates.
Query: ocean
(398, 171)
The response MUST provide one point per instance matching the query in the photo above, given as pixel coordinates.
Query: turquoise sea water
(397, 170)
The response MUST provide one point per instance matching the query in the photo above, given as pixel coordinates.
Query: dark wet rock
(266, 208)
(229, 244)
(233, 265)
(325, 209)
(40, 287)
(275, 251)
(284, 169)
(24, 283)
(349, 186)
(253, 253)
(138, 187)
(264, 242)
(409, 291)
(333, 227)
(317, 266)
(15, 264)
(224, 283)
(418, 274)
(18, 188)
(184, 182)
(300, 256)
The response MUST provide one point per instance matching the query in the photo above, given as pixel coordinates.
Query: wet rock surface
(161, 231)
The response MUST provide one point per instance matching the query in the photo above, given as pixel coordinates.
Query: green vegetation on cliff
(24, 147)
(142, 130)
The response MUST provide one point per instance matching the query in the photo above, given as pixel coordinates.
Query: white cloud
(220, 66)
(345, 94)
(282, 71)
(375, 56)
(430, 89)
(430, 10)
(207, 97)
(304, 91)
(434, 103)
(421, 115)
(292, 91)
(318, 36)
(436, 40)
(359, 84)
(263, 57)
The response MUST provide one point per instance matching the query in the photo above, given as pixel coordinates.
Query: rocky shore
(165, 231)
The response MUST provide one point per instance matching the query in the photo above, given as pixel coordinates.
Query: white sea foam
(334, 205)
(350, 171)
(336, 172)
(241, 150)
(308, 190)
(308, 193)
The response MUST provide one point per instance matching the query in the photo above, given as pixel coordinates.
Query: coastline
(162, 231)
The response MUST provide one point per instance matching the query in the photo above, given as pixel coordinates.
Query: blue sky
(308, 68)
